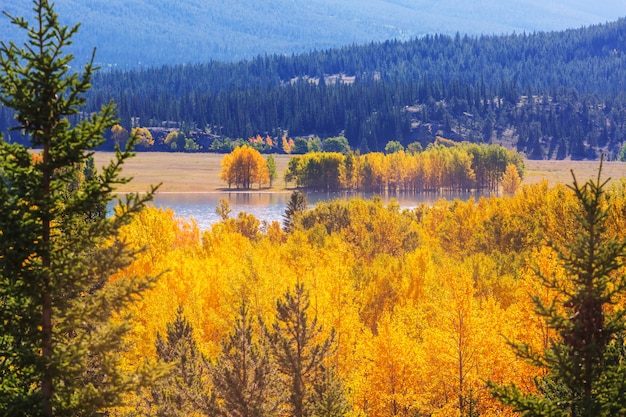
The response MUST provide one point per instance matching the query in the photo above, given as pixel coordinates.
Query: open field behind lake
(199, 172)
(179, 172)
(561, 171)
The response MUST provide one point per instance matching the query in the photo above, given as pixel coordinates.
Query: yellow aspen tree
(415, 172)
(437, 167)
(243, 167)
(175, 140)
(457, 343)
(396, 164)
(390, 379)
(378, 170)
(461, 174)
(144, 137)
(350, 172)
(526, 326)
(510, 179)
(333, 293)
(119, 135)
(226, 173)
(457, 230)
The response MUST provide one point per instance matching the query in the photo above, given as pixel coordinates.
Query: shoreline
(198, 173)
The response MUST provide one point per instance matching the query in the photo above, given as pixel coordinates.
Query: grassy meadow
(199, 172)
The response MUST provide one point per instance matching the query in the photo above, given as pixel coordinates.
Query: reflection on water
(201, 206)
(268, 206)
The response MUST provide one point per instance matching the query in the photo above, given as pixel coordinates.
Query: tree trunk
(47, 388)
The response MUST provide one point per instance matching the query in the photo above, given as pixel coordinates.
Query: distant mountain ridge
(550, 95)
(164, 32)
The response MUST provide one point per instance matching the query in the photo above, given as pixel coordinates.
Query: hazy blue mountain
(156, 32)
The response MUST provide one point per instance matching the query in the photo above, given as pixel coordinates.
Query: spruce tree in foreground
(585, 361)
(302, 358)
(243, 375)
(295, 207)
(183, 392)
(58, 342)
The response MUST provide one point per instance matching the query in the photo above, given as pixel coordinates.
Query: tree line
(549, 95)
(446, 166)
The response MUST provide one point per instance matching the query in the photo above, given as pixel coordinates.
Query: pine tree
(184, 391)
(329, 395)
(59, 345)
(295, 207)
(243, 375)
(299, 353)
(585, 374)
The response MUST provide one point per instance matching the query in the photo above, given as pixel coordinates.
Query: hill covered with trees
(549, 95)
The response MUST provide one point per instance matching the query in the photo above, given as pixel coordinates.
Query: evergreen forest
(549, 95)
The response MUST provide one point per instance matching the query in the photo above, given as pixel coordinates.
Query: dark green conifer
(58, 345)
(243, 376)
(584, 362)
(185, 390)
(295, 207)
(329, 395)
(300, 355)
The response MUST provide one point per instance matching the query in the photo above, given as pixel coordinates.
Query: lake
(270, 206)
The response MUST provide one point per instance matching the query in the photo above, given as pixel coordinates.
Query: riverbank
(199, 172)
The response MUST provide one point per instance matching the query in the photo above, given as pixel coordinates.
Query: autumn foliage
(447, 166)
(419, 304)
(243, 167)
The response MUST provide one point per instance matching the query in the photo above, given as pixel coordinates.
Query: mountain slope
(156, 32)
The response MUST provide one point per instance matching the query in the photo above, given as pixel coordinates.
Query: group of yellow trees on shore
(418, 306)
(446, 166)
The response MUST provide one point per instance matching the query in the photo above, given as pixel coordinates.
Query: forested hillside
(550, 95)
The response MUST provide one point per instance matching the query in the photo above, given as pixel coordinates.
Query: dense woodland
(411, 312)
(549, 95)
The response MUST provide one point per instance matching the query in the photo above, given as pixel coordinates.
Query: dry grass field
(561, 171)
(199, 172)
(179, 172)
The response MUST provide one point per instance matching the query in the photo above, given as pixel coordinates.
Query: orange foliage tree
(243, 167)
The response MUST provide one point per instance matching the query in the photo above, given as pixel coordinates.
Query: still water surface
(268, 206)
